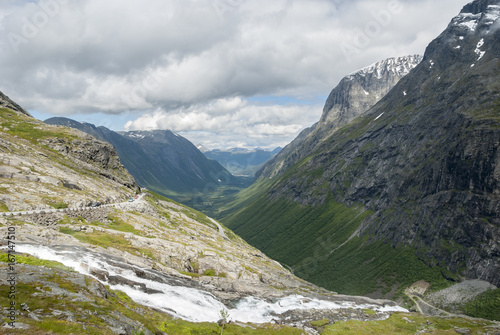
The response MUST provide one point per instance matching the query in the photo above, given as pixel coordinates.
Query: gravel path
(124, 204)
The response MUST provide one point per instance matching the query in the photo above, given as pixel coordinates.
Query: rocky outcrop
(71, 295)
(95, 155)
(358, 92)
(6, 102)
(352, 97)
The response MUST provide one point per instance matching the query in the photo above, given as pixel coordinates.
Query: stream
(181, 298)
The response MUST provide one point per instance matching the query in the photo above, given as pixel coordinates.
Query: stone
(17, 325)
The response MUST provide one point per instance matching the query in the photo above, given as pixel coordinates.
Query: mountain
(407, 191)
(241, 161)
(188, 165)
(161, 160)
(353, 96)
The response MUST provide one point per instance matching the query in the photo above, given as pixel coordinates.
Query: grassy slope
(21, 126)
(311, 241)
(486, 305)
(408, 324)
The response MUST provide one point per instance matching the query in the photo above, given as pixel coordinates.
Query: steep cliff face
(422, 165)
(358, 92)
(352, 97)
(96, 155)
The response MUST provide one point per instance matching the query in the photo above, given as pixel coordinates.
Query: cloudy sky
(223, 73)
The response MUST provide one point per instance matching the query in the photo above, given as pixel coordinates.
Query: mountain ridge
(160, 160)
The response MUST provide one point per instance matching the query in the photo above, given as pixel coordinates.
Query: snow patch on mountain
(492, 14)
(471, 21)
(467, 20)
(478, 50)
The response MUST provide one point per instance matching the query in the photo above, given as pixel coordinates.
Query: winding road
(219, 227)
(418, 301)
(69, 210)
(87, 208)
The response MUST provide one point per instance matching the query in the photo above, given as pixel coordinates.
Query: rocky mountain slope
(407, 191)
(161, 160)
(6, 102)
(42, 166)
(353, 96)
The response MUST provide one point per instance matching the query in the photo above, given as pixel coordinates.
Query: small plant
(60, 205)
(224, 315)
(320, 323)
(3, 207)
(369, 312)
(209, 273)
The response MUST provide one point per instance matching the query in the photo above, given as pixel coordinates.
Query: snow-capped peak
(400, 66)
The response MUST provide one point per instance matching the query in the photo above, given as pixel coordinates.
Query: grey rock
(119, 330)
(98, 156)
(98, 289)
(33, 316)
(25, 307)
(17, 325)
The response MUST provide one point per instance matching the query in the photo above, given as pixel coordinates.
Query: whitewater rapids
(170, 295)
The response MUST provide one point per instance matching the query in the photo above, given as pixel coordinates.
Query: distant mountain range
(241, 162)
(162, 161)
(403, 187)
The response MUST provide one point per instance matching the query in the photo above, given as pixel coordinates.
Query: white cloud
(248, 124)
(200, 59)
